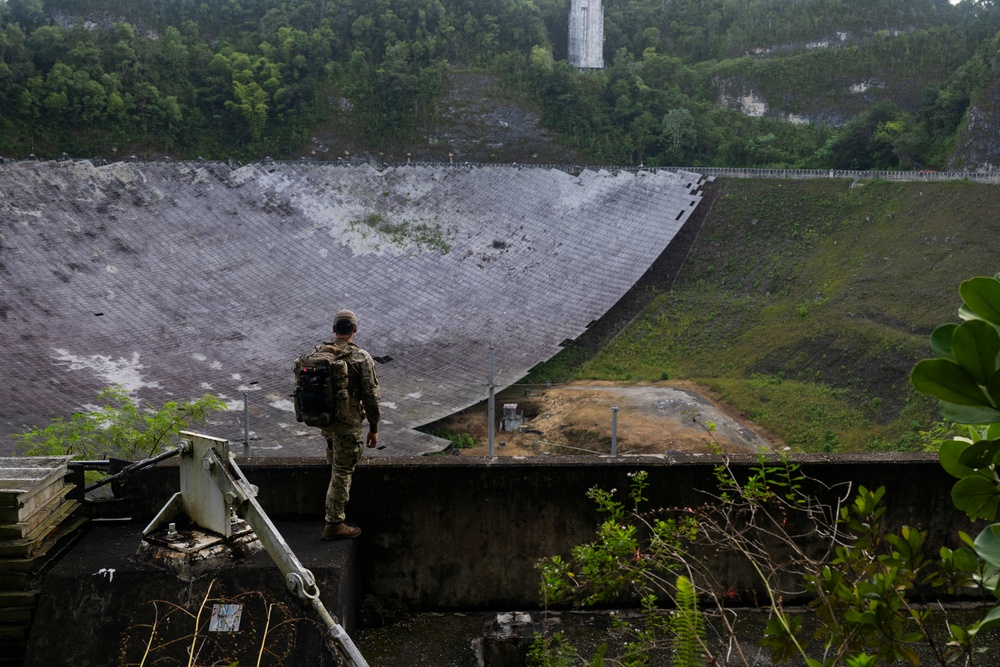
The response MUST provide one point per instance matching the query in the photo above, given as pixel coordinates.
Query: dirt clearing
(577, 418)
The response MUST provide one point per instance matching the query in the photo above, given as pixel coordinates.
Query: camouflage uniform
(347, 437)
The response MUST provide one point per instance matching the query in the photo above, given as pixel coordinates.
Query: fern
(689, 627)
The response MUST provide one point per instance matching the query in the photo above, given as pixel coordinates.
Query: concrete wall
(466, 533)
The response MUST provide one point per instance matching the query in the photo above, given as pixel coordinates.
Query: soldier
(344, 439)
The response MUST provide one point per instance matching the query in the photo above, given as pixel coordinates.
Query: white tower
(586, 34)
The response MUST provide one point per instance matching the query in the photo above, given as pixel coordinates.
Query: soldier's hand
(372, 439)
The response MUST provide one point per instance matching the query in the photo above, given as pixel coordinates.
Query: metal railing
(989, 176)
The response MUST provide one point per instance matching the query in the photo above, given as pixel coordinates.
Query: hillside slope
(688, 82)
(804, 305)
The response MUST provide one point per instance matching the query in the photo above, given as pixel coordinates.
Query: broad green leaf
(988, 544)
(993, 432)
(975, 346)
(993, 387)
(950, 454)
(854, 616)
(965, 561)
(977, 497)
(991, 620)
(948, 381)
(969, 414)
(982, 296)
(941, 341)
(980, 455)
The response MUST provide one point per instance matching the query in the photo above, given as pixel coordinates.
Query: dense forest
(249, 78)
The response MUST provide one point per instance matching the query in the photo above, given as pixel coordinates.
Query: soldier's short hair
(344, 326)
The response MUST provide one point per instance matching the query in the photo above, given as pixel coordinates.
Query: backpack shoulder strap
(337, 352)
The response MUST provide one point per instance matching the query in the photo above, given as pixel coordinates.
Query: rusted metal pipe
(138, 465)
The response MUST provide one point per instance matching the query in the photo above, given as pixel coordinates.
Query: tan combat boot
(340, 531)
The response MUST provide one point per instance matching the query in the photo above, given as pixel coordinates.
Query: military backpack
(321, 397)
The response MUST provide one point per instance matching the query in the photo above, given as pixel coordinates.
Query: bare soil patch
(577, 418)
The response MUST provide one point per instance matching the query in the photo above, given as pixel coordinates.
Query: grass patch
(805, 304)
(404, 233)
(563, 367)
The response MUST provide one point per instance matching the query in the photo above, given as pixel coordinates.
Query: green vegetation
(870, 591)
(421, 234)
(965, 377)
(120, 428)
(804, 304)
(456, 440)
(864, 584)
(251, 78)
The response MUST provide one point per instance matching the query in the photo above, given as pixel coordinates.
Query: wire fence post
(614, 431)
(246, 422)
(490, 406)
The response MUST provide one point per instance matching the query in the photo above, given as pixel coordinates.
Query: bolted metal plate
(226, 618)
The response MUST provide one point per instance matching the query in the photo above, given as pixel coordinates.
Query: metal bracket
(203, 481)
(212, 488)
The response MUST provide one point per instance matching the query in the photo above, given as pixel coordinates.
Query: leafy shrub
(120, 427)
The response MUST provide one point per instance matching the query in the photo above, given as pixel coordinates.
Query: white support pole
(614, 431)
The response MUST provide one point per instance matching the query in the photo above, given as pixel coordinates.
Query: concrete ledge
(466, 533)
(100, 604)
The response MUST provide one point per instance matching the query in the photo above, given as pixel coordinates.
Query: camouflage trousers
(348, 442)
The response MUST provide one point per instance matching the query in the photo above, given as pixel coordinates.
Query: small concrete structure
(512, 417)
(586, 34)
(193, 553)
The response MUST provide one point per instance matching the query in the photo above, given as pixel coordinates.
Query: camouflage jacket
(362, 382)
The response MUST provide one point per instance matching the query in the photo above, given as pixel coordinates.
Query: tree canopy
(248, 78)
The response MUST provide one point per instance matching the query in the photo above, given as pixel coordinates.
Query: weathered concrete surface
(440, 535)
(100, 605)
(176, 279)
(466, 532)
